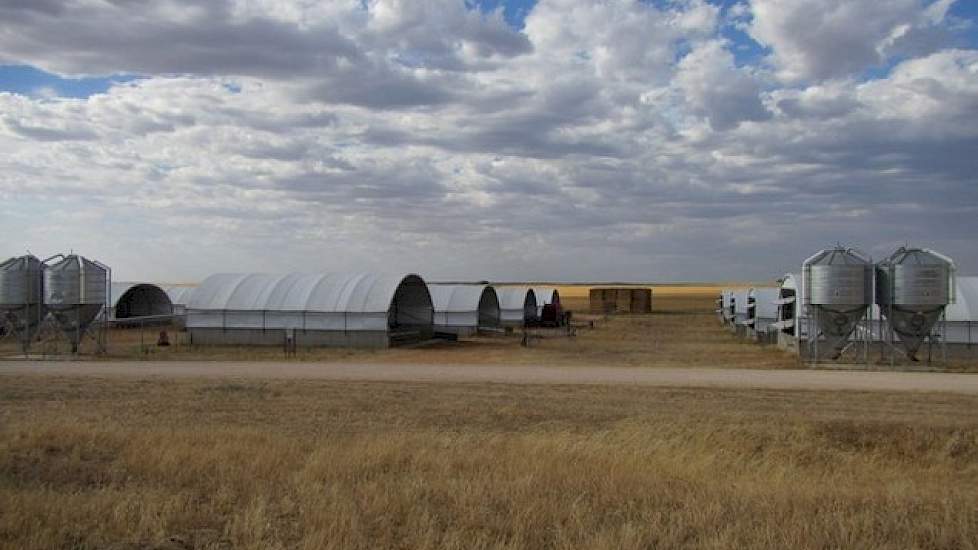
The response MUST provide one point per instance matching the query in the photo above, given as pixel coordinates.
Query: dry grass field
(126, 463)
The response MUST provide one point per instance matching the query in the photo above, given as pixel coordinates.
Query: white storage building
(464, 309)
(740, 311)
(179, 297)
(792, 318)
(962, 316)
(762, 309)
(319, 309)
(517, 306)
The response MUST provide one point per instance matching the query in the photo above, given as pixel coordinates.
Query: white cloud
(818, 39)
(715, 88)
(620, 140)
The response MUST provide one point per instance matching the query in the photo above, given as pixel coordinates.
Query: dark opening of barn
(488, 308)
(411, 313)
(139, 304)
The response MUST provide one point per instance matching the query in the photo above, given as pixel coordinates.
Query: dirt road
(677, 377)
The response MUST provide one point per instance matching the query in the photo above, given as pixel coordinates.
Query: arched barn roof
(457, 298)
(515, 297)
(318, 292)
(765, 301)
(179, 294)
(791, 281)
(965, 306)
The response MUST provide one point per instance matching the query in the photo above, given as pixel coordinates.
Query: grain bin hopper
(913, 288)
(838, 283)
(21, 302)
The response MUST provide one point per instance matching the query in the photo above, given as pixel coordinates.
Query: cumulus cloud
(714, 87)
(622, 140)
(819, 39)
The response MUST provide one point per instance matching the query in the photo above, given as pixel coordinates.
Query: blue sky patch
(31, 81)
(514, 11)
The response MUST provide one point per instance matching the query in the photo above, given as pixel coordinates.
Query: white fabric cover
(965, 306)
(545, 295)
(740, 302)
(458, 305)
(179, 294)
(516, 304)
(310, 301)
(456, 298)
(764, 300)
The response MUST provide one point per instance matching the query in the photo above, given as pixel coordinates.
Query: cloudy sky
(557, 139)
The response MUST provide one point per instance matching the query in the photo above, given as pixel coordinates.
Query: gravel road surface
(512, 374)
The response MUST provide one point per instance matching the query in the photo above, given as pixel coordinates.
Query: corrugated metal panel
(75, 281)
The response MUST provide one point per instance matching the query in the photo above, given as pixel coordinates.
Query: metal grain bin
(839, 292)
(21, 300)
(836, 284)
(76, 290)
(913, 287)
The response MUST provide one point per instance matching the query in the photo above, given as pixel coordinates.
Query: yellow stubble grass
(88, 463)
